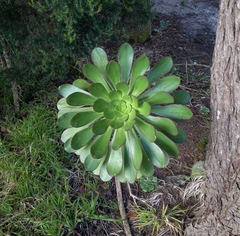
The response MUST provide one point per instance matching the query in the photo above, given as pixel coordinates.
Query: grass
(33, 185)
(143, 217)
(35, 192)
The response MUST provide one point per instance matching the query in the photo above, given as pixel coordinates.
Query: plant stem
(13, 83)
(121, 208)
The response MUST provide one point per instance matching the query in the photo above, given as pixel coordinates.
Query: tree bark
(220, 215)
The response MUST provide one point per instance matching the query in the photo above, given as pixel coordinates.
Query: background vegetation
(42, 41)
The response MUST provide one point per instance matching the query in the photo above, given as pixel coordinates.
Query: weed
(148, 184)
(163, 24)
(144, 217)
(184, 3)
(204, 111)
(202, 143)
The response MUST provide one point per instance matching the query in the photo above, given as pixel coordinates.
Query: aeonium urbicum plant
(120, 119)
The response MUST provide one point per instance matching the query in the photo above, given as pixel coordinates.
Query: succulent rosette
(121, 121)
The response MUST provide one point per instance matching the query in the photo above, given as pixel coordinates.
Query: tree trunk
(220, 215)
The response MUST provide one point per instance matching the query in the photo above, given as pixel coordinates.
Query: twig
(193, 64)
(121, 208)
(186, 88)
(186, 68)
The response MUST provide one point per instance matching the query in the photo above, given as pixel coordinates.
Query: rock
(198, 169)
(179, 180)
(195, 16)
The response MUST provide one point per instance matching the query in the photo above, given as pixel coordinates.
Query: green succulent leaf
(180, 137)
(147, 168)
(117, 123)
(181, 97)
(91, 164)
(129, 169)
(160, 69)
(81, 138)
(62, 103)
(66, 89)
(84, 118)
(100, 145)
(98, 90)
(162, 124)
(123, 88)
(65, 120)
(155, 153)
(115, 95)
(94, 75)
(167, 84)
(132, 115)
(79, 151)
(115, 162)
(178, 112)
(166, 144)
(81, 83)
(121, 176)
(113, 72)
(127, 99)
(144, 109)
(134, 102)
(140, 86)
(85, 151)
(147, 129)
(67, 146)
(70, 109)
(160, 98)
(97, 170)
(133, 149)
(103, 171)
(125, 59)
(100, 105)
(129, 125)
(109, 113)
(80, 99)
(119, 138)
(69, 133)
(99, 58)
(100, 126)
(139, 175)
(139, 68)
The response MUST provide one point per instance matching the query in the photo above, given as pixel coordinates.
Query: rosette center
(121, 107)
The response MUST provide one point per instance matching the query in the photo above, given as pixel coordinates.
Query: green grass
(147, 216)
(35, 194)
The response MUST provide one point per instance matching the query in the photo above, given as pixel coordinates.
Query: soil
(196, 17)
(192, 56)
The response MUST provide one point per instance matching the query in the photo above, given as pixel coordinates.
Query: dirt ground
(192, 57)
